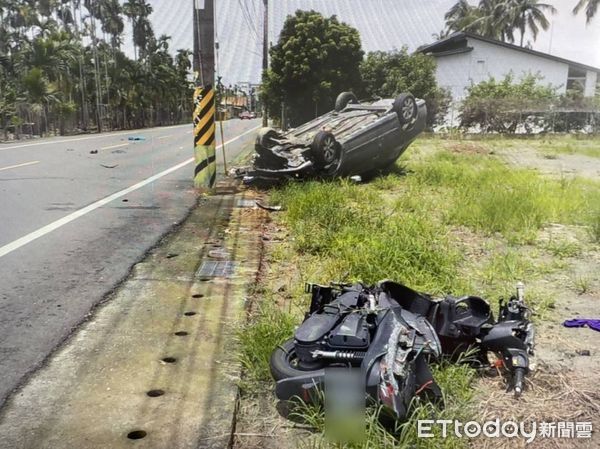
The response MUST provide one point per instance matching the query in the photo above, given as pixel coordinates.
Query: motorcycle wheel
(284, 362)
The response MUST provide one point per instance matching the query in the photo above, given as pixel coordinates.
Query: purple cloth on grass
(592, 323)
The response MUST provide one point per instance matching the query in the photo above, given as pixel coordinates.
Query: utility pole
(265, 61)
(204, 93)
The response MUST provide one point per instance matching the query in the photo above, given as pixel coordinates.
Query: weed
(562, 248)
(581, 283)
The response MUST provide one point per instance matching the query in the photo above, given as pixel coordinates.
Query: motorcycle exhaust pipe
(339, 355)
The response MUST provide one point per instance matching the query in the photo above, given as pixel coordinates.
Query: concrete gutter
(155, 366)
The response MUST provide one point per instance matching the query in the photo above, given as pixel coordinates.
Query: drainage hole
(125, 201)
(155, 393)
(136, 434)
(181, 333)
(198, 295)
(205, 279)
(190, 313)
(169, 360)
(171, 255)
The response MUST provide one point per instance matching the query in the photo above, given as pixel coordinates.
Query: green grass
(562, 248)
(353, 230)
(268, 327)
(488, 196)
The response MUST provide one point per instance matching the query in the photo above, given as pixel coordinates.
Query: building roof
(458, 43)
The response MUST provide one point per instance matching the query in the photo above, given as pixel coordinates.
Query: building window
(576, 79)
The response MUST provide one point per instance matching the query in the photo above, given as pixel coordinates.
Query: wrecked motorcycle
(390, 333)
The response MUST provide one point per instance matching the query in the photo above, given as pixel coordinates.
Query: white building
(464, 59)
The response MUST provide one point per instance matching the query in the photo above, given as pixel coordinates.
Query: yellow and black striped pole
(204, 137)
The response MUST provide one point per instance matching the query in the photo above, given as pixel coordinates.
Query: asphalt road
(72, 223)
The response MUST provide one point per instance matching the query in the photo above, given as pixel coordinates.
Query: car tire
(282, 362)
(344, 99)
(326, 150)
(264, 136)
(405, 106)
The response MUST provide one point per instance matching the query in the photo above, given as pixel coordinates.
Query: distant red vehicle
(247, 115)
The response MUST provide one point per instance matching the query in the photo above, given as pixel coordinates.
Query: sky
(383, 25)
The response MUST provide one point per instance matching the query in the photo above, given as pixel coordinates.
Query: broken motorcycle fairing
(391, 333)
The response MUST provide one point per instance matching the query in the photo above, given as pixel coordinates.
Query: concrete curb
(155, 366)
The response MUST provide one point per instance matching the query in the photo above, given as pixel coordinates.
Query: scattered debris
(592, 323)
(218, 254)
(267, 207)
(584, 352)
(94, 152)
(136, 138)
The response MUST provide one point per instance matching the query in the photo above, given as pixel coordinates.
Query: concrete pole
(204, 94)
(265, 60)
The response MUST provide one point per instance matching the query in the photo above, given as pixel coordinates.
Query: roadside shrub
(501, 106)
(387, 74)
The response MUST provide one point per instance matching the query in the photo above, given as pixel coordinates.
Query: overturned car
(355, 138)
(389, 334)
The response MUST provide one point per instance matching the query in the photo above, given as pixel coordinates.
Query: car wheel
(284, 362)
(344, 99)
(326, 150)
(265, 136)
(405, 106)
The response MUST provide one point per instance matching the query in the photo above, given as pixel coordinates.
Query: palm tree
(591, 7)
(498, 19)
(138, 11)
(461, 16)
(488, 19)
(112, 22)
(529, 14)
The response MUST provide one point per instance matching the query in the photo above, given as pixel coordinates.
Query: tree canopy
(387, 74)
(61, 66)
(314, 60)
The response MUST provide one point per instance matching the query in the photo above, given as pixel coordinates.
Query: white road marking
(16, 244)
(99, 136)
(19, 165)
(114, 146)
(165, 137)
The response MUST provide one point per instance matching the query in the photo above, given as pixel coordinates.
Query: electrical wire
(247, 16)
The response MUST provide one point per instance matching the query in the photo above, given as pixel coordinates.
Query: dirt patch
(469, 148)
(556, 165)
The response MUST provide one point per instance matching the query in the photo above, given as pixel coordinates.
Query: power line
(247, 16)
